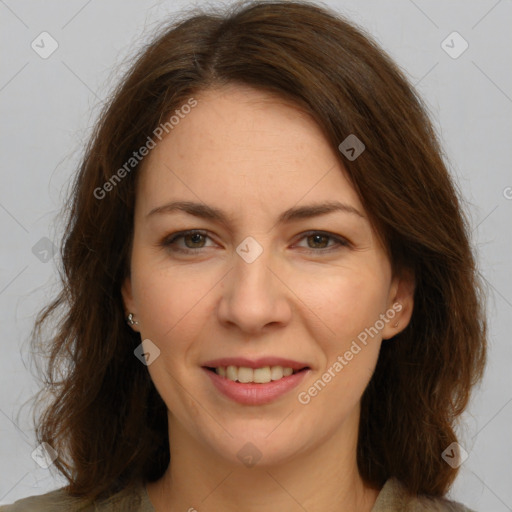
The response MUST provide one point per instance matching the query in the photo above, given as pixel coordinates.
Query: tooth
(262, 375)
(276, 372)
(232, 372)
(245, 374)
(259, 375)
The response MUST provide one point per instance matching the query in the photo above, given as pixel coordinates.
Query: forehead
(242, 149)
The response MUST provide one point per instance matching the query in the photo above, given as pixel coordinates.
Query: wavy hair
(105, 417)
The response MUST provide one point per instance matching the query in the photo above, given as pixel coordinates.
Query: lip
(256, 363)
(256, 394)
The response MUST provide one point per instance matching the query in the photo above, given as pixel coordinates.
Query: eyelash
(170, 241)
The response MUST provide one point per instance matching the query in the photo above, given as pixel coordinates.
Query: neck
(322, 479)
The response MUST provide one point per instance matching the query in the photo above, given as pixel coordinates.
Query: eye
(318, 241)
(193, 240)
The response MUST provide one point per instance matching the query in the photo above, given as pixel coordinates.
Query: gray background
(49, 105)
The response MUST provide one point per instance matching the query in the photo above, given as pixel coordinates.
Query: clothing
(393, 497)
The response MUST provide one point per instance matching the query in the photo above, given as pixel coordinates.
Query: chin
(264, 446)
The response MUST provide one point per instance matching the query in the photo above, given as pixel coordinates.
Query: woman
(269, 301)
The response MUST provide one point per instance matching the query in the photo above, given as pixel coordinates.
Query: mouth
(255, 382)
(247, 375)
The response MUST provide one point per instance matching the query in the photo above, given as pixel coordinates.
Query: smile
(252, 392)
(246, 375)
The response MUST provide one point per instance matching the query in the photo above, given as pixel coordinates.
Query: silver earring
(396, 325)
(131, 321)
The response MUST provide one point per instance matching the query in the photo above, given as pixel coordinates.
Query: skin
(253, 156)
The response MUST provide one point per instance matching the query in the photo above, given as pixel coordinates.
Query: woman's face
(269, 281)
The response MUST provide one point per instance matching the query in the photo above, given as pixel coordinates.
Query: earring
(131, 321)
(396, 325)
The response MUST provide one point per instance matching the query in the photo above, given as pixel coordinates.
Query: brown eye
(196, 240)
(186, 241)
(318, 241)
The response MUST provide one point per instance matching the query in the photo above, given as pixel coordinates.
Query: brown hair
(106, 419)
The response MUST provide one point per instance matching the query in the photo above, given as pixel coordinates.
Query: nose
(254, 295)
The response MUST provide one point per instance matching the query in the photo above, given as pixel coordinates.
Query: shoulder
(132, 499)
(57, 501)
(394, 496)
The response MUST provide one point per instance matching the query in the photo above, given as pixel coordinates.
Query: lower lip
(256, 394)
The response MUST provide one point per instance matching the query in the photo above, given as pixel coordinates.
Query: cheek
(167, 297)
(350, 305)
(172, 310)
(346, 301)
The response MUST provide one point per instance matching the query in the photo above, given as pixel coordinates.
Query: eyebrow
(205, 211)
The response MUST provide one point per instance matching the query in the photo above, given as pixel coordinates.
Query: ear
(128, 302)
(400, 304)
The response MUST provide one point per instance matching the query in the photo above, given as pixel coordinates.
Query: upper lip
(255, 363)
